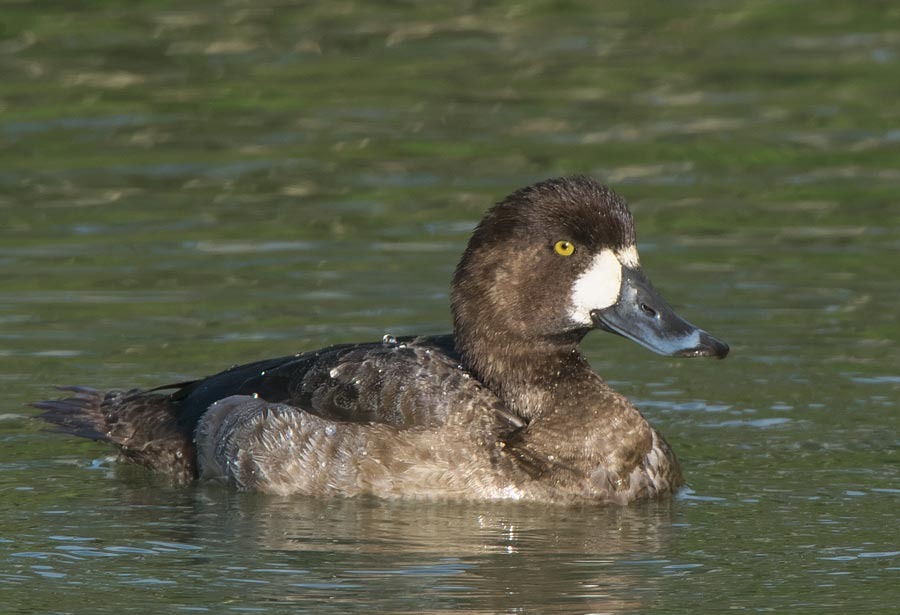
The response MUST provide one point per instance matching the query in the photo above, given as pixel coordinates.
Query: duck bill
(643, 316)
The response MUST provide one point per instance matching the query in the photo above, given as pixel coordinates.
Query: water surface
(184, 186)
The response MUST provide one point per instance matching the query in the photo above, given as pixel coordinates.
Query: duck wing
(408, 382)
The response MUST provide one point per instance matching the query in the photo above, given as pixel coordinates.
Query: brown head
(549, 263)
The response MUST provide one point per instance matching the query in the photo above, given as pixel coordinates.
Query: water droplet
(330, 430)
(262, 373)
(389, 340)
(256, 396)
(334, 372)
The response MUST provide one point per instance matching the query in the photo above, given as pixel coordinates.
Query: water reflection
(416, 556)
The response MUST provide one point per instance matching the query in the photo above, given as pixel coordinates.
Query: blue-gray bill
(643, 316)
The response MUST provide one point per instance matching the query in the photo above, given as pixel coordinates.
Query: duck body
(507, 408)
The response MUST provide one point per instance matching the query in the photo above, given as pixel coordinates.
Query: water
(189, 186)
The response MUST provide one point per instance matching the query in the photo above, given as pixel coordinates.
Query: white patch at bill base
(597, 287)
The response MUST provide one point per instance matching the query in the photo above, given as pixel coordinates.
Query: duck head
(550, 263)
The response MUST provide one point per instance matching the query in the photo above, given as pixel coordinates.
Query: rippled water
(186, 186)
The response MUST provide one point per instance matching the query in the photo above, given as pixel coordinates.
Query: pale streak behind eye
(629, 257)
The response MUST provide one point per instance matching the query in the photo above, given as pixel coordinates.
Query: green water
(186, 185)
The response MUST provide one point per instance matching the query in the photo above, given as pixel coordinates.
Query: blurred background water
(188, 185)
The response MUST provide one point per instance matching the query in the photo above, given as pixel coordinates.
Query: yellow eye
(564, 248)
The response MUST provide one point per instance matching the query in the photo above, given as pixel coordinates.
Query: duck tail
(81, 414)
(144, 426)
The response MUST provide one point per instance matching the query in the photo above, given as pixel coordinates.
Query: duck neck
(534, 379)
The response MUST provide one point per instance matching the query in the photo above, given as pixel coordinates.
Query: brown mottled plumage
(506, 408)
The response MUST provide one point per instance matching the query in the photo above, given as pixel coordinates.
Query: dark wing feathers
(394, 383)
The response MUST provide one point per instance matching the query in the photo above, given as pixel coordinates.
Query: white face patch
(597, 287)
(600, 284)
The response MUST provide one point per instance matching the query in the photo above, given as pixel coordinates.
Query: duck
(504, 408)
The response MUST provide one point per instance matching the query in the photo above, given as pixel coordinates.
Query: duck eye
(564, 248)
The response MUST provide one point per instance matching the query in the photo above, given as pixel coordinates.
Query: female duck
(505, 408)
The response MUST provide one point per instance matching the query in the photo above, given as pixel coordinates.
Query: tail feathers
(143, 426)
(81, 414)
